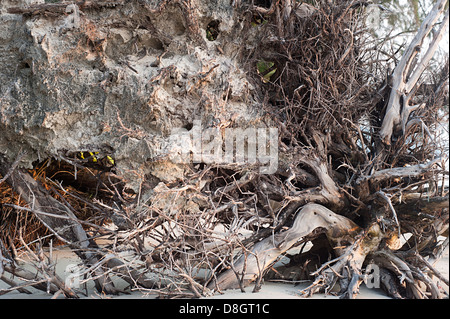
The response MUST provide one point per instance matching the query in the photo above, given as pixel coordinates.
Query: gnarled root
(404, 275)
(63, 223)
(347, 267)
(251, 266)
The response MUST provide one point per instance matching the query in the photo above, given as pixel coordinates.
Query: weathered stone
(117, 80)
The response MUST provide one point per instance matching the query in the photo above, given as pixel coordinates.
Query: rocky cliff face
(117, 77)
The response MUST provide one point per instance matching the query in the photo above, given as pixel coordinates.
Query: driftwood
(352, 246)
(398, 172)
(405, 78)
(254, 263)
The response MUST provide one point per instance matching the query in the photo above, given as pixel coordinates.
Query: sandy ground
(270, 290)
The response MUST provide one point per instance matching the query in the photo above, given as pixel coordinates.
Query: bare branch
(401, 84)
(385, 174)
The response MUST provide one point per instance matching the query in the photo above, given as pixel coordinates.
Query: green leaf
(264, 66)
(266, 78)
(209, 35)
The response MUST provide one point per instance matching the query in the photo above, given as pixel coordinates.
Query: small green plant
(212, 30)
(265, 70)
(257, 20)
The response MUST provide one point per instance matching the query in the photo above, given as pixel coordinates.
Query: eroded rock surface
(118, 79)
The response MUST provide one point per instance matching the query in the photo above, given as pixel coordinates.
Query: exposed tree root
(253, 264)
(353, 247)
(357, 152)
(347, 268)
(62, 222)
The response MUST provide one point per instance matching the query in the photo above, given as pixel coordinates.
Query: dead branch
(13, 167)
(398, 172)
(66, 228)
(398, 106)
